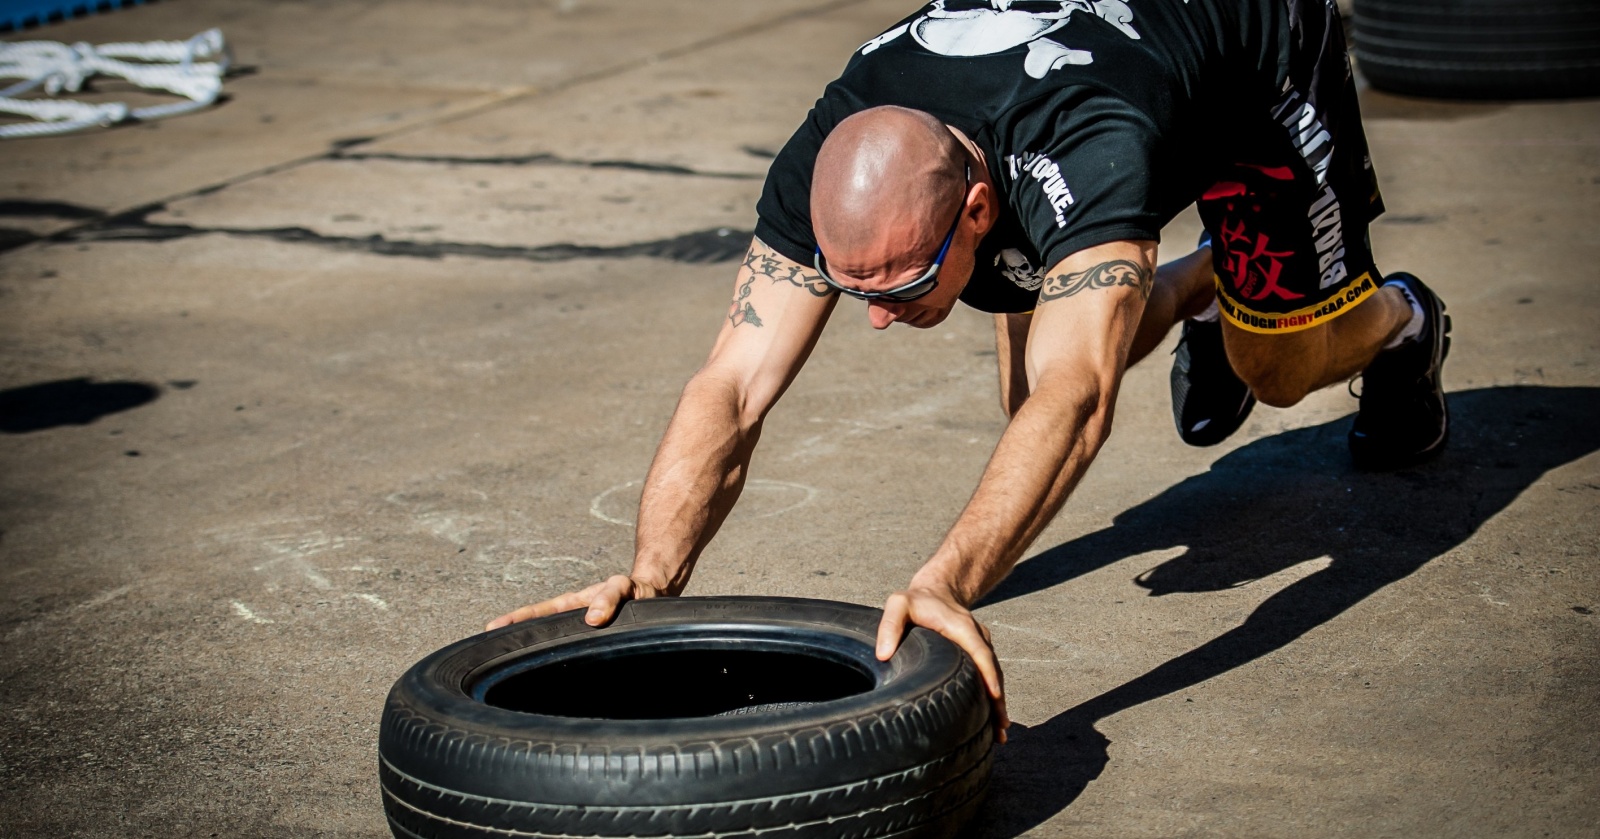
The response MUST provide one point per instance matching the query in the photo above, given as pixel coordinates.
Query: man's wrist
(942, 575)
(649, 576)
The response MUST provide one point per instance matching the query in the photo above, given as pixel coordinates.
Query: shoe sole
(1212, 432)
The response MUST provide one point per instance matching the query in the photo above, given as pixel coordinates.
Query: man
(975, 143)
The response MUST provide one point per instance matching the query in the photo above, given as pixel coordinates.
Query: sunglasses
(910, 291)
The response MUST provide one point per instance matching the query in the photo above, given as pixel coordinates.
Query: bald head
(888, 182)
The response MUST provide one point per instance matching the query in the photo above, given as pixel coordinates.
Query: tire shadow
(1266, 507)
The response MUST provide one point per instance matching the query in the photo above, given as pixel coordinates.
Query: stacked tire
(517, 732)
(1480, 49)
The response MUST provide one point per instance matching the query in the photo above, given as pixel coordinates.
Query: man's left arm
(1089, 310)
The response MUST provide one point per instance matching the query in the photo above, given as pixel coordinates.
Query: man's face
(931, 309)
(889, 264)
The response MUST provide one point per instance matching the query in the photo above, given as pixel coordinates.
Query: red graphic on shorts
(1224, 189)
(1277, 173)
(1254, 269)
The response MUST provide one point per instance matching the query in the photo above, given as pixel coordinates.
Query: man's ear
(984, 201)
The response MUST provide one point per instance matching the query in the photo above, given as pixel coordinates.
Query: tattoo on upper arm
(1117, 272)
(764, 265)
(741, 312)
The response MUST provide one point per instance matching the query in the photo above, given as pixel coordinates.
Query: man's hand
(602, 600)
(939, 611)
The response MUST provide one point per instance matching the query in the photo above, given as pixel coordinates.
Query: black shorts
(1288, 217)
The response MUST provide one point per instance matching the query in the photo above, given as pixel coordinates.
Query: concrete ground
(303, 387)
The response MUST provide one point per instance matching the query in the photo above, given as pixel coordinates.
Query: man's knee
(1275, 387)
(1280, 369)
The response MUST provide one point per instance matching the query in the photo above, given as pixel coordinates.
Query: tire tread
(494, 816)
(1479, 49)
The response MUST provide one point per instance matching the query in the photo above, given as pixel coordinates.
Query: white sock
(1211, 313)
(1413, 327)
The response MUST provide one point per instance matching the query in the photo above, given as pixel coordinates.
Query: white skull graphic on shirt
(1015, 266)
(986, 27)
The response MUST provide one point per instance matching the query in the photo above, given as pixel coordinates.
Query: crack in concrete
(23, 208)
(16, 237)
(543, 159)
(720, 244)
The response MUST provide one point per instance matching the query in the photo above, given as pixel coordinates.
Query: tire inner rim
(680, 672)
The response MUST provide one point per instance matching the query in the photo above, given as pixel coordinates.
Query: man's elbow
(1097, 410)
(1088, 401)
(713, 391)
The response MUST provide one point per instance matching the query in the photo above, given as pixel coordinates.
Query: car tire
(1479, 49)
(708, 717)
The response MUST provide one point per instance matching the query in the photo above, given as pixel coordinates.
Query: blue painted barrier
(25, 14)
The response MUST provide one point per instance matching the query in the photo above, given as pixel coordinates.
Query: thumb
(893, 625)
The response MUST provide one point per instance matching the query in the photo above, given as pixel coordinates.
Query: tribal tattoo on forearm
(763, 265)
(1117, 272)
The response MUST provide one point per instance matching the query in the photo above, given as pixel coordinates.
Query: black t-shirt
(1100, 119)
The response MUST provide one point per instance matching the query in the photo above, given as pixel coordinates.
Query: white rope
(192, 69)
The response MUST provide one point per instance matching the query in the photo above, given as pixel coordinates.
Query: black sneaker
(1209, 401)
(1404, 419)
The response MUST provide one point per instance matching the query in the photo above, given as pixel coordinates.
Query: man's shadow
(1266, 507)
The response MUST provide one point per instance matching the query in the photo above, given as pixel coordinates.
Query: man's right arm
(777, 312)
